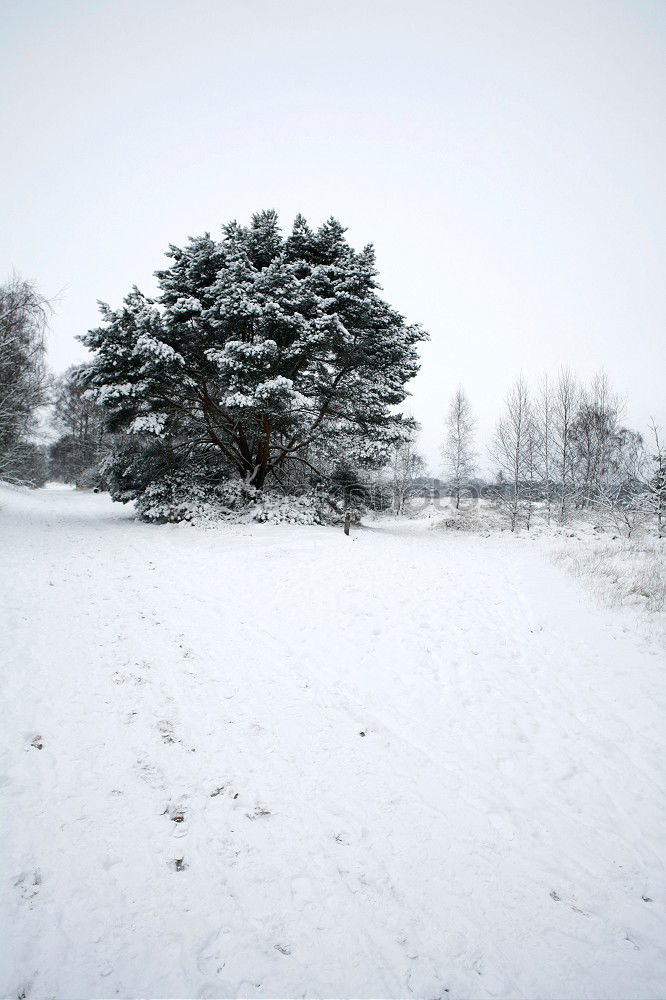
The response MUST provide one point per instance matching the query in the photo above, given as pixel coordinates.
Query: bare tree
(458, 449)
(544, 421)
(76, 455)
(655, 499)
(406, 465)
(23, 378)
(596, 437)
(566, 397)
(620, 496)
(513, 450)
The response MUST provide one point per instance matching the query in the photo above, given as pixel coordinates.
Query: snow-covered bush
(135, 463)
(179, 497)
(311, 508)
(475, 516)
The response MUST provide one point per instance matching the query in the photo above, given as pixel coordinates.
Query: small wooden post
(347, 522)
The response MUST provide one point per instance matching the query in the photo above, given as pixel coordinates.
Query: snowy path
(278, 762)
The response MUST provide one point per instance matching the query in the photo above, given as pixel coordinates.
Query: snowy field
(272, 761)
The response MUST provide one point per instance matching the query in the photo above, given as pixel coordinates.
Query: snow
(269, 760)
(150, 423)
(154, 348)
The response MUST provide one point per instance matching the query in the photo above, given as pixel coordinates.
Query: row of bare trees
(27, 389)
(561, 448)
(81, 444)
(24, 381)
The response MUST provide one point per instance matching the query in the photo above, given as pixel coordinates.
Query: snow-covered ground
(272, 761)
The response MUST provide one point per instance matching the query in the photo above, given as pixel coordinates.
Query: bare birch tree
(544, 418)
(406, 465)
(566, 397)
(458, 449)
(513, 450)
(596, 437)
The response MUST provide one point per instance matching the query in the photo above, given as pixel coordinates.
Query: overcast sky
(507, 159)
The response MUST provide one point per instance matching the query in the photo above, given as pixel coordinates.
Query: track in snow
(278, 762)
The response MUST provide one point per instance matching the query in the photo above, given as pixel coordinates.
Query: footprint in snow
(209, 958)
(120, 678)
(149, 773)
(631, 941)
(423, 979)
(258, 811)
(28, 884)
(166, 731)
(176, 814)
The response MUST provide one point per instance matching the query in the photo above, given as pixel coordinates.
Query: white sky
(507, 159)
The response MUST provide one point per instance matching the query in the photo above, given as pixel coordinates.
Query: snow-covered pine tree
(258, 352)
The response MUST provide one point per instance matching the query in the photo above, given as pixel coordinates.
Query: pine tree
(259, 352)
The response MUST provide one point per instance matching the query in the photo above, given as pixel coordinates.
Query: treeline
(49, 428)
(561, 447)
(81, 444)
(24, 381)
(272, 364)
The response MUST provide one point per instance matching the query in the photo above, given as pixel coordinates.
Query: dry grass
(620, 571)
